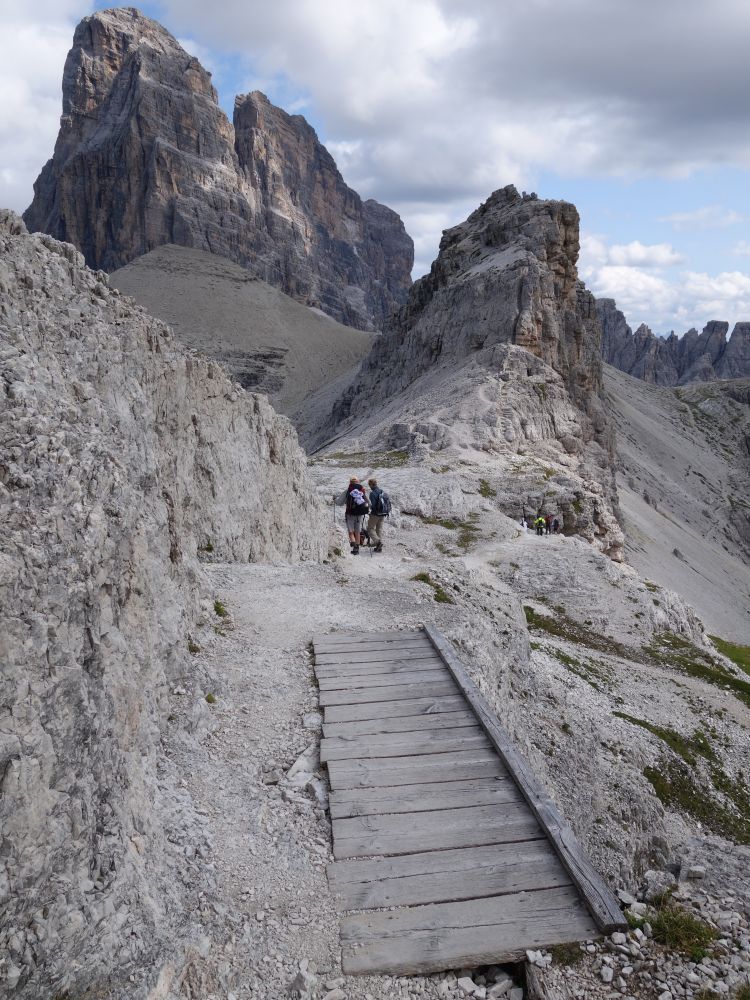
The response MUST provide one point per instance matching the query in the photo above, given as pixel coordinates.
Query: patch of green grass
(468, 532)
(211, 698)
(565, 727)
(675, 787)
(680, 930)
(653, 587)
(566, 628)
(671, 650)
(540, 388)
(336, 551)
(193, 647)
(439, 594)
(485, 490)
(578, 507)
(443, 522)
(743, 993)
(567, 954)
(220, 609)
(739, 655)
(370, 459)
(207, 547)
(634, 923)
(548, 473)
(687, 747)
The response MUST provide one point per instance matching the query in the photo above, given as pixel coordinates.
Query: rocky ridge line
(145, 156)
(121, 456)
(673, 360)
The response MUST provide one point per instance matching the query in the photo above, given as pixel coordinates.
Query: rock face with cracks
(121, 454)
(145, 156)
(496, 353)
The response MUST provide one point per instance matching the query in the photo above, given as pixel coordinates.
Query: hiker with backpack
(380, 508)
(354, 498)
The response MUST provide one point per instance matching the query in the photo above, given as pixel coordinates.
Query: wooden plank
(408, 641)
(395, 709)
(377, 656)
(442, 876)
(454, 766)
(394, 692)
(539, 985)
(392, 635)
(404, 676)
(402, 745)
(423, 798)
(598, 896)
(382, 667)
(464, 934)
(404, 724)
(439, 830)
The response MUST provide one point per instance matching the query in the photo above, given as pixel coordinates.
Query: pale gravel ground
(266, 905)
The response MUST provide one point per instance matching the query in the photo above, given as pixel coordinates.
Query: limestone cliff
(496, 353)
(121, 454)
(673, 360)
(505, 276)
(145, 156)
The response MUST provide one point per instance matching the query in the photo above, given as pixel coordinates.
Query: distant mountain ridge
(673, 360)
(145, 156)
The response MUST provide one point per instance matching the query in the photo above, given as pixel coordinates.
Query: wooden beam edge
(597, 895)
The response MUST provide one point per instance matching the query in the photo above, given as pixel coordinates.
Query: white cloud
(36, 38)
(642, 281)
(708, 217)
(595, 252)
(741, 249)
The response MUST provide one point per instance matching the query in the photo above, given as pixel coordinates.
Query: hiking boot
(378, 547)
(355, 550)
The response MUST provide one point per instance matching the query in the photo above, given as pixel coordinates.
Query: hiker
(548, 524)
(380, 508)
(354, 498)
(556, 525)
(539, 525)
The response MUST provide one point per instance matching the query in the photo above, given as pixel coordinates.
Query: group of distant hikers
(376, 507)
(543, 524)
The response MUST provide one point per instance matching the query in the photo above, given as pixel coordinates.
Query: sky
(637, 111)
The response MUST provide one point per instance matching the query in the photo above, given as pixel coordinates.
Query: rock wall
(505, 276)
(120, 455)
(145, 156)
(673, 360)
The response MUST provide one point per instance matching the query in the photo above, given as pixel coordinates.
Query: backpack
(356, 501)
(381, 504)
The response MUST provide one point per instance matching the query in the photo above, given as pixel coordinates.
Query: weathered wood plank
(393, 692)
(404, 724)
(454, 766)
(408, 641)
(598, 896)
(404, 744)
(464, 934)
(439, 830)
(423, 798)
(395, 709)
(442, 876)
(404, 676)
(376, 656)
(390, 636)
(382, 667)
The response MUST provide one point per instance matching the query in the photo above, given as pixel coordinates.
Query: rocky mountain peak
(694, 357)
(145, 156)
(507, 275)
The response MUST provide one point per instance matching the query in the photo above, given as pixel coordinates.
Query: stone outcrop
(673, 360)
(505, 276)
(145, 156)
(121, 454)
(496, 354)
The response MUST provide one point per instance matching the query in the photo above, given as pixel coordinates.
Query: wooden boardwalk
(448, 852)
